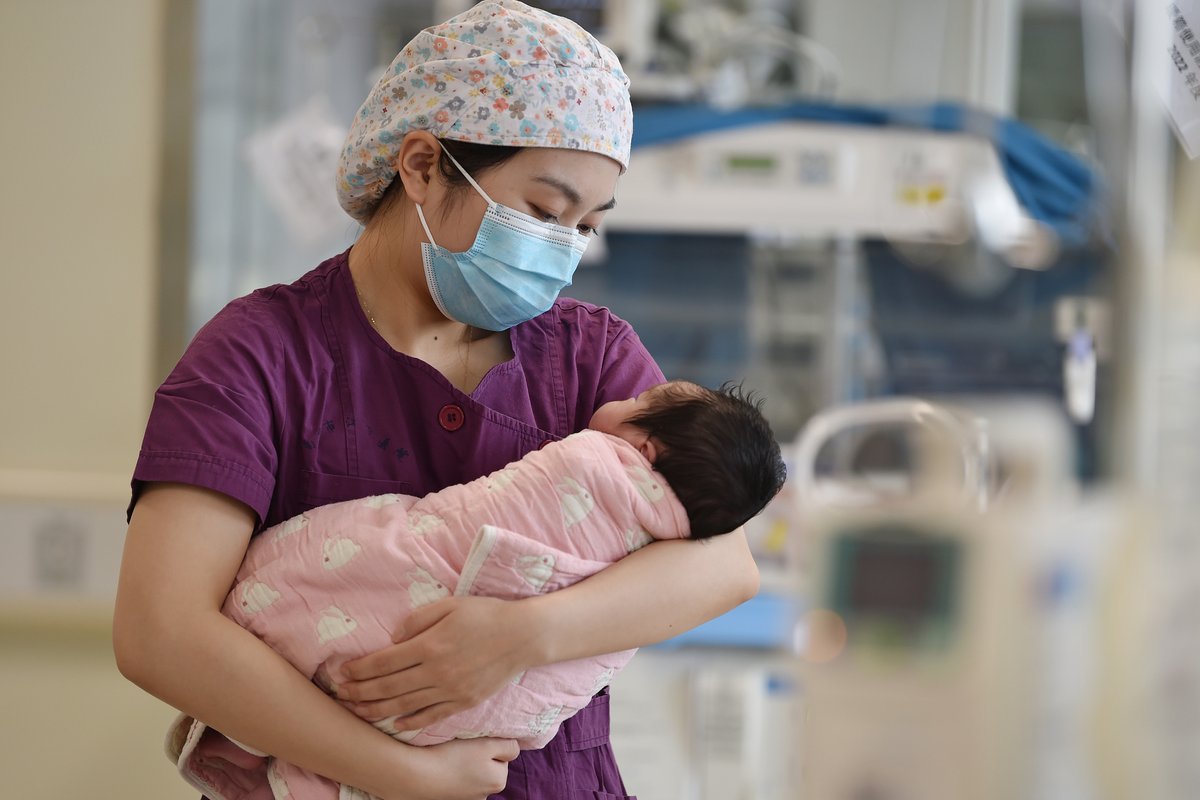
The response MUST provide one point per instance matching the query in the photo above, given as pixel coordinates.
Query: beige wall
(80, 83)
(72, 727)
(79, 155)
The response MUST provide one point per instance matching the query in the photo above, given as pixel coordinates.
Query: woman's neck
(388, 275)
(390, 281)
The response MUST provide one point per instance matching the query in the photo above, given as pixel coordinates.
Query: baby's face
(612, 417)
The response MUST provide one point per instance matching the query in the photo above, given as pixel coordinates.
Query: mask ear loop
(581, 241)
(421, 218)
(421, 215)
(470, 180)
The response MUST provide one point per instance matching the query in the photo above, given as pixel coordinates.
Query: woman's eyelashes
(552, 218)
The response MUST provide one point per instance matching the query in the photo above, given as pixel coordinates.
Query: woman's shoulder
(587, 320)
(589, 328)
(593, 354)
(589, 332)
(269, 320)
(259, 331)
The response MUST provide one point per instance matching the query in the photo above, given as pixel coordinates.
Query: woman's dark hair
(717, 452)
(474, 158)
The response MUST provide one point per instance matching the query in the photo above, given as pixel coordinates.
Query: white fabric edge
(481, 549)
(179, 748)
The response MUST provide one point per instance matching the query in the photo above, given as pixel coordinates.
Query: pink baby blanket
(334, 583)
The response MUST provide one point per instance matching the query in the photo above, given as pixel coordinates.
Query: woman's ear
(417, 162)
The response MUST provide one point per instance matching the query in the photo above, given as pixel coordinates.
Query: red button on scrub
(451, 417)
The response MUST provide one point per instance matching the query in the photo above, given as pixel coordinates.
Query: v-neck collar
(517, 337)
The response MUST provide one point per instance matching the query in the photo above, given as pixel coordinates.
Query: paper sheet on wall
(1183, 86)
(294, 162)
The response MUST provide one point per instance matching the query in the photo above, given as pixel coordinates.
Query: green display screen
(896, 585)
(748, 162)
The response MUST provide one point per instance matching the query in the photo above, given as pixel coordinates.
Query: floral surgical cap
(502, 73)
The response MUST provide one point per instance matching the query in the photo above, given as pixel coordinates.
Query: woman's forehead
(584, 179)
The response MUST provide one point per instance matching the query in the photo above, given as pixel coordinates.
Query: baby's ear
(649, 449)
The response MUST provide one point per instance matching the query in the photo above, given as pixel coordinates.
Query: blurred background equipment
(842, 200)
(855, 150)
(977, 208)
(955, 643)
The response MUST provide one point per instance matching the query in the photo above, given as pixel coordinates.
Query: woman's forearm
(182, 551)
(217, 672)
(655, 593)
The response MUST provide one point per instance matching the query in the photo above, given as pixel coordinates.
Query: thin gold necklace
(466, 360)
(366, 309)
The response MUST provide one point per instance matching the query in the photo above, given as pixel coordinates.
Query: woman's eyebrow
(569, 192)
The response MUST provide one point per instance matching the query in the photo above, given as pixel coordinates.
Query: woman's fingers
(469, 767)
(388, 661)
(392, 706)
(391, 685)
(419, 619)
(430, 715)
(434, 672)
(506, 749)
(399, 656)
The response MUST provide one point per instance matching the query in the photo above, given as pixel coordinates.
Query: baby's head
(713, 447)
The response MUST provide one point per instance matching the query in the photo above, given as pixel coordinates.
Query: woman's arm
(655, 593)
(664, 589)
(182, 552)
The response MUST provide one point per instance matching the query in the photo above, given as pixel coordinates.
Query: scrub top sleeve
(212, 421)
(628, 368)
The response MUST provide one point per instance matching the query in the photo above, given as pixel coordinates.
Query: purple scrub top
(288, 399)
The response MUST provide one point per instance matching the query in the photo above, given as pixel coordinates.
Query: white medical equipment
(807, 195)
(905, 633)
(952, 648)
(796, 179)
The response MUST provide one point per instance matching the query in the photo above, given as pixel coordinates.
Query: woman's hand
(462, 769)
(450, 656)
(458, 652)
(182, 551)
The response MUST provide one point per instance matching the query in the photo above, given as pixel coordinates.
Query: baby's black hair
(717, 452)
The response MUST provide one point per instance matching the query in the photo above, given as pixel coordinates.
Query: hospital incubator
(961, 607)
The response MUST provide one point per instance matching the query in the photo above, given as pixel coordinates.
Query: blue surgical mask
(513, 271)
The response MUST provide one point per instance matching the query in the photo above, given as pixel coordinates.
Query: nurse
(433, 351)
